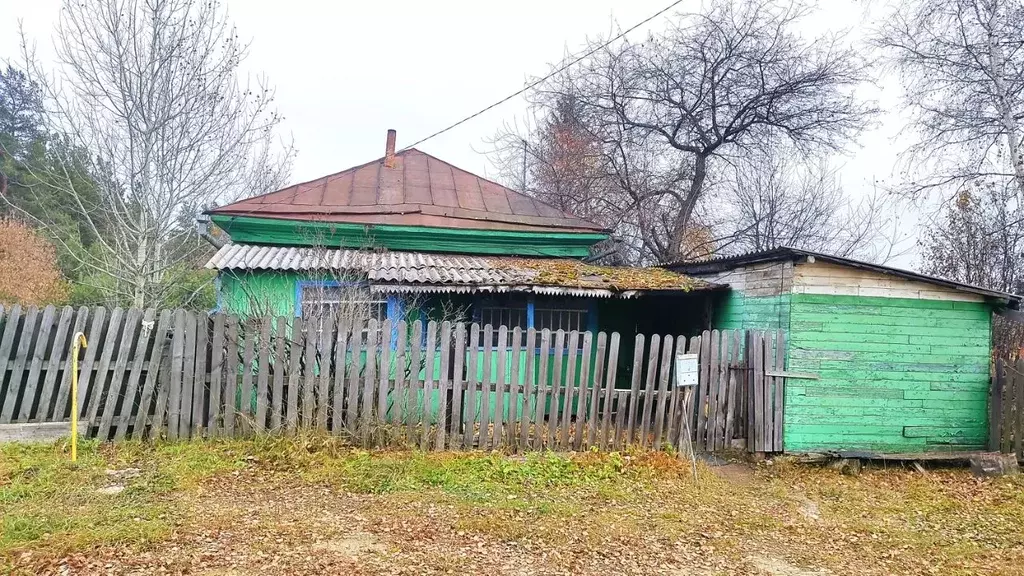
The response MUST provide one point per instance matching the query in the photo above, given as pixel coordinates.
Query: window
(559, 318)
(512, 314)
(344, 302)
(537, 312)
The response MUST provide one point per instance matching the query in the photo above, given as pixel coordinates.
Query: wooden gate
(741, 391)
(1006, 408)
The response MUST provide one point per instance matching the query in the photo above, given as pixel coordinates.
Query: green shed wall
(897, 375)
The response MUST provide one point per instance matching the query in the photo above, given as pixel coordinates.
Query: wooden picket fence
(178, 374)
(1006, 408)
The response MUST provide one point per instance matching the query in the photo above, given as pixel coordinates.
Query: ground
(311, 506)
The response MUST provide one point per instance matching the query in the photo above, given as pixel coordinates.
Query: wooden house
(881, 359)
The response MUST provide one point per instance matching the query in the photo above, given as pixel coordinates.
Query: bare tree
(665, 115)
(962, 67)
(146, 94)
(774, 200)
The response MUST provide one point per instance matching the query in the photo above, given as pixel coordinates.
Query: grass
(309, 504)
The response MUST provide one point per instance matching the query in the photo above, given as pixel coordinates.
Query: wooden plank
(370, 380)
(529, 388)
(540, 406)
(594, 422)
(609, 387)
(646, 403)
(428, 384)
(1009, 409)
(444, 383)
(688, 405)
(21, 357)
(341, 363)
(95, 397)
(157, 359)
(472, 382)
(499, 387)
(769, 386)
(780, 391)
(58, 353)
(413, 381)
(188, 375)
(98, 328)
(384, 374)
(515, 409)
(231, 376)
(355, 365)
(400, 403)
(714, 377)
(215, 423)
(634, 386)
(32, 383)
(568, 389)
(199, 418)
(580, 430)
(703, 388)
(308, 384)
(326, 347)
(60, 409)
(13, 318)
(1018, 426)
(25, 433)
(130, 407)
(486, 382)
(174, 383)
(672, 417)
(557, 384)
(619, 438)
(263, 373)
(662, 404)
(721, 397)
(758, 407)
(458, 388)
(123, 352)
(733, 393)
(995, 402)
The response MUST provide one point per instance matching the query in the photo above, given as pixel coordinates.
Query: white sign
(686, 370)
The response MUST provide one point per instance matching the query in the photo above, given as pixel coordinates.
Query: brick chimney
(389, 151)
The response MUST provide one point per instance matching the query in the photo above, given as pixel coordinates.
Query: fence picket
(188, 376)
(199, 417)
(230, 375)
(384, 375)
(540, 405)
(21, 356)
(458, 378)
(356, 337)
(662, 403)
(580, 431)
(486, 380)
(153, 370)
(499, 387)
(263, 373)
(369, 380)
(400, 403)
(97, 330)
(120, 364)
(444, 383)
(648, 398)
(594, 421)
(672, 415)
(609, 387)
(555, 399)
(428, 383)
(722, 399)
(1017, 425)
(28, 398)
(243, 399)
(307, 386)
(6, 344)
(61, 410)
(634, 386)
(415, 384)
(58, 353)
(174, 384)
(515, 409)
(341, 345)
(215, 423)
(130, 406)
(734, 393)
(569, 385)
(529, 388)
(780, 390)
(472, 381)
(759, 391)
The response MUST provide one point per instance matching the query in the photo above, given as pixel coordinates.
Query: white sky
(347, 71)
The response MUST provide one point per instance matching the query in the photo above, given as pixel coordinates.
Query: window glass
(345, 304)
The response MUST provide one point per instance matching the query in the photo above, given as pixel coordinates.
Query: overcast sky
(347, 71)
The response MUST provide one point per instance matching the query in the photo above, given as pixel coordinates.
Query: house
(411, 236)
(891, 360)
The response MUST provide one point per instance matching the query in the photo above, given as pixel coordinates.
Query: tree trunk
(676, 249)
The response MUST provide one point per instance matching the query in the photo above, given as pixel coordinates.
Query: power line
(535, 83)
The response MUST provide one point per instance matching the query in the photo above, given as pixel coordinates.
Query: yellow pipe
(77, 344)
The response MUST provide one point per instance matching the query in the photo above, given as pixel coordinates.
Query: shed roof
(422, 272)
(782, 253)
(410, 188)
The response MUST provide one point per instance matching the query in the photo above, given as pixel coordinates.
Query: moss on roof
(574, 273)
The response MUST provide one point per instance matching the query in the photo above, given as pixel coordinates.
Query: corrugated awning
(443, 273)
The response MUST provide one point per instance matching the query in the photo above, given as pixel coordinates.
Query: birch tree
(148, 101)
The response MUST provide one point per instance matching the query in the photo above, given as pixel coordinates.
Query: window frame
(590, 304)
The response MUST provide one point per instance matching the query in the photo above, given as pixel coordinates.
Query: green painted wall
(257, 293)
(897, 375)
(735, 311)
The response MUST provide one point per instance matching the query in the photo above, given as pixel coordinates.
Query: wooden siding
(897, 374)
(828, 278)
(758, 297)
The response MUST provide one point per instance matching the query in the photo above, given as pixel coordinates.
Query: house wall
(904, 366)
(759, 297)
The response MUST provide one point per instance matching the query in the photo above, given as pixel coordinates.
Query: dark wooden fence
(435, 385)
(1006, 408)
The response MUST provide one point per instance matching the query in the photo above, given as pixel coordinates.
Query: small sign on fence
(686, 370)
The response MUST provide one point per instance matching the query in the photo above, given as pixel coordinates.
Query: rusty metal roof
(422, 272)
(417, 189)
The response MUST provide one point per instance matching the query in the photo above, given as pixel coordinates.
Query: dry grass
(310, 506)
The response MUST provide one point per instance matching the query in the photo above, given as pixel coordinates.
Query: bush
(29, 274)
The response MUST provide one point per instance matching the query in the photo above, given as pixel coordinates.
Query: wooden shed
(887, 360)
